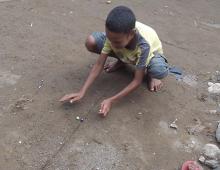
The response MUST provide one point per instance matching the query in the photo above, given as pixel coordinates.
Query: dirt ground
(43, 57)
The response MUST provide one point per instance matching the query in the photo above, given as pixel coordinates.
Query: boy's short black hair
(121, 19)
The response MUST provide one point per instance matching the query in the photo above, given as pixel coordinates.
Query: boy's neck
(132, 44)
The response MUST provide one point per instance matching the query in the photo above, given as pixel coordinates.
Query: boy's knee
(90, 43)
(158, 72)
(158, 68)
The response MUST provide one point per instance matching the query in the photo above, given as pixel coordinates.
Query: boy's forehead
(113, 35)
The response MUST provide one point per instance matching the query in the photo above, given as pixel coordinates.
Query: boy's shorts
(157, 68)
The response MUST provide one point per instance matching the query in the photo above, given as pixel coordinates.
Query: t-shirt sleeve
(142, 60)
(107, 47)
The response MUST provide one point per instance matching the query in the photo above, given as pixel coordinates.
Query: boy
(131, 42)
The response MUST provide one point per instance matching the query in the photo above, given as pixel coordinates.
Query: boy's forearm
(94, 73)
(96, 70)
(138, 78)
(131, 87)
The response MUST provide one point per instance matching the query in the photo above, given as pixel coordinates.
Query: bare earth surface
(42, 57)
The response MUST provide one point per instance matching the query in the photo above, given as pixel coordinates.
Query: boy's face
(119, 40)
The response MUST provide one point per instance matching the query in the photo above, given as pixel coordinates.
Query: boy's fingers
(105, 112)
(101, 108)
(74, 99)
(67, 97)
(64, 98)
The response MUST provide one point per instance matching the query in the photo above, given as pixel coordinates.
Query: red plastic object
(187, 163)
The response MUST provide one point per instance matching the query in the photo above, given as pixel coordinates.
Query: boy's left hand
(105, 107)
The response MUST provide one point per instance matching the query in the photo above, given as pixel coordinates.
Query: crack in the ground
(68, 138)
(49, 161)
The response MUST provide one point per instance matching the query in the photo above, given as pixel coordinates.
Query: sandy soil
(43, 57)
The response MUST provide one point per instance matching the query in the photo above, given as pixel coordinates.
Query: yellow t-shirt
(148, 43)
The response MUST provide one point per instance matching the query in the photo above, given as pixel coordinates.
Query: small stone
(173, 125)
(214, 88)
(19, 142)
(212, 111)
(210, 84)
(202, 159)
(81, 120)
(140, 113)
(217, 134)
(210, 151)
(212, 163)
(77, 118)
(108, 2)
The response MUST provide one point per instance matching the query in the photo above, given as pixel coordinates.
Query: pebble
(41, 84)
(212, 111)
(202, 159)
(211, 156)
(214, 88)
(212, 163)
(108, 2)
(217, 134)
(19, 142)
(77, 118)
(210, 151)
(173, 125)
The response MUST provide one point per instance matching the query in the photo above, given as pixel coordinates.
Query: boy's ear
(133, 31)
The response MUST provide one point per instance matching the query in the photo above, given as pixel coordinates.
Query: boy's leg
(94, 43)
(157, 70)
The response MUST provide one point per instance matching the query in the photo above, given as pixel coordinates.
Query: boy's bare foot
(154, 84)
(113, 66)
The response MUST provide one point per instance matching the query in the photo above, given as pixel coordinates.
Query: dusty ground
(44, 40)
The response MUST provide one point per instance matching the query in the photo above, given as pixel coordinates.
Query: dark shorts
(157, 68)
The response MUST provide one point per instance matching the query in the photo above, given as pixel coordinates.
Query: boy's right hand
(73, 97)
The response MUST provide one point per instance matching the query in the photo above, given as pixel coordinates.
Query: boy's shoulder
(144, 29)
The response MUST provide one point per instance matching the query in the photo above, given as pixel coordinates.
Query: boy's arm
(96, 70)
(94, 73)
(137, 80)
